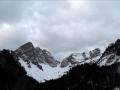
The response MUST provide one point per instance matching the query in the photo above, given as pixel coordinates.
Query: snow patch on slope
(48, 72)
(78, 57)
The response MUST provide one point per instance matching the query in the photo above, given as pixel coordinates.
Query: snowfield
(48, 72)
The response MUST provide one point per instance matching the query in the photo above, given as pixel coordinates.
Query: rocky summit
(111, 54)
(35, 55)
(80, 58)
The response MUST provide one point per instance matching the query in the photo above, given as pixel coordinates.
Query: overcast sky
(61, 26)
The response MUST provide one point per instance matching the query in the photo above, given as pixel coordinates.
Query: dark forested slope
(13, 76)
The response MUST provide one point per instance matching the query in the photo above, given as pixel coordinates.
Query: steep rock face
(35, 55)
(111, 54)
(80, 58)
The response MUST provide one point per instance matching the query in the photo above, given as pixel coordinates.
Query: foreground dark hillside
(13, 76)
(83, 77)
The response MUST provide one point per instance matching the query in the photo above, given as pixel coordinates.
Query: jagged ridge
(41, 58)
(35, 55)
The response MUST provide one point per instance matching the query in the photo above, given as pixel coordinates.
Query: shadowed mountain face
(111, 54)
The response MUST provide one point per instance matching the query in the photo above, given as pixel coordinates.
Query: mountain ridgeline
(38, 56)
(35, 55)
(90, 70)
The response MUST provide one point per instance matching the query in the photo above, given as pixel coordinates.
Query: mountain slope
(111, 54)
(48, 72)
(81, 58)
(35, 55)
(38, 63)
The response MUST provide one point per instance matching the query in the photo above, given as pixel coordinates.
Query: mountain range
(33, 68)
(41, 65)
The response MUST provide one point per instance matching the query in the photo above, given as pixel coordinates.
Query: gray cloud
(60, 26)
(11, 37)
(12, 10)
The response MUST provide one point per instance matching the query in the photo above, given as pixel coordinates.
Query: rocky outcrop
(69, 61)
(79, 58)
(111, 54)
(35, 55)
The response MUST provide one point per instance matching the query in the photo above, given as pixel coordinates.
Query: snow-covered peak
(35, 55)
(111, 54)
(79, 58)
